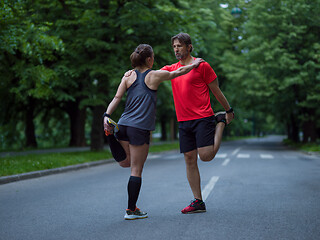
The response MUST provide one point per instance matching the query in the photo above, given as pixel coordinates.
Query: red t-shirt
(191, 92)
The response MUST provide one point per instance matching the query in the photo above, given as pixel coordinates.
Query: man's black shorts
(197, 133)
(135, 136)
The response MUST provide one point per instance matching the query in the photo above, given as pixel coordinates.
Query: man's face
(180, 50)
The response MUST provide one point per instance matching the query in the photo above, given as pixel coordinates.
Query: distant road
(254, 189)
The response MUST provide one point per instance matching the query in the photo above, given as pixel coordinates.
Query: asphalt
(41, 173)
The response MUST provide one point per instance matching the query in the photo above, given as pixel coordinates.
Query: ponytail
(140, 54)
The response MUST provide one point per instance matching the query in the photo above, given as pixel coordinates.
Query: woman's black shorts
(135, 136)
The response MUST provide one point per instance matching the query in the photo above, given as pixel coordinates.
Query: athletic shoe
(136, 214)
(196, 206)
(112, 124)
(221, 117)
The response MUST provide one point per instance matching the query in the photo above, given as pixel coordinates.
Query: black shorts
(196, 133)
(135, 136)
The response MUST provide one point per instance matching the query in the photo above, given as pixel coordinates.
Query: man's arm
(215, 89)
(162, 75)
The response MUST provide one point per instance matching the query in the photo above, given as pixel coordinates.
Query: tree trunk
(175, 128)
(309, 131)
(97, 128)
(163, 129)
(30, 128)
(77, 125)
(293, 129)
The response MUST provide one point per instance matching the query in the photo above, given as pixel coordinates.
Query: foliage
(61, 62)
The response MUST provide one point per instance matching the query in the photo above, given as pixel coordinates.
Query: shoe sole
(134, 217)
(196, 211)
(114, 124)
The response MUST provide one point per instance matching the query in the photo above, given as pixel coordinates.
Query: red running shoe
(196, 206)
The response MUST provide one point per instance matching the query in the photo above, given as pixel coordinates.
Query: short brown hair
(183, 38)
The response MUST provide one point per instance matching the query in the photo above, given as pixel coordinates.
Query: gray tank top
(140, 108)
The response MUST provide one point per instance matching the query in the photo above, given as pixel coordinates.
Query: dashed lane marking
(208, 188)
(154, 156)
(174, 156)
(235, 151)
(221, 155)
(225, 162)
(241, 155)
(266, 156)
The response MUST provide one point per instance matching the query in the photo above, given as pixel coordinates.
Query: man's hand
(128, 73)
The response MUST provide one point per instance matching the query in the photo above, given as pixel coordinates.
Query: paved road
(254, 189)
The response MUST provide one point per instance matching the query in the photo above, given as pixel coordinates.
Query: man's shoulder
(171, 67)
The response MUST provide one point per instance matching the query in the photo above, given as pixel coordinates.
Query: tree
(25, 46)
(277, 68)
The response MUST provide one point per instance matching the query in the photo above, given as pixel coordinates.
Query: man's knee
(207, 157)
(190, 157)
(207, 154)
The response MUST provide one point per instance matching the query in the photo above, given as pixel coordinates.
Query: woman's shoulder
(129, 77)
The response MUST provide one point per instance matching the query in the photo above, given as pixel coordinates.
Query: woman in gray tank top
(138, 118)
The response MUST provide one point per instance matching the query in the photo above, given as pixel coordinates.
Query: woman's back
(140, 108)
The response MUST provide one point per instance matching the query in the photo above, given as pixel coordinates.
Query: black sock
(134, 186)
(117, 150)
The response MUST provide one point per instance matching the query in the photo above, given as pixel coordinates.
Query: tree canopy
(61, 63)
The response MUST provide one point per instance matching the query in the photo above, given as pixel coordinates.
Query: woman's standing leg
(138, 156)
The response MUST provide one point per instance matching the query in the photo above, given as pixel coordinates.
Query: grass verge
(308, 147)
(35, 162)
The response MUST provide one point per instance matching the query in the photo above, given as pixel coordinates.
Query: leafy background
(61, 62)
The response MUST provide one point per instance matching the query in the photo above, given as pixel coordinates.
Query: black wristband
(105, 115)
(230, 110)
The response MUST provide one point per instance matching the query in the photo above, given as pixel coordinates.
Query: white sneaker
(136, 214)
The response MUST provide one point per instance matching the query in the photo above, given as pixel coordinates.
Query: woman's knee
(125, 163)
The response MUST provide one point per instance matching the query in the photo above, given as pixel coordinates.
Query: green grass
(34, 162)
(309, 147)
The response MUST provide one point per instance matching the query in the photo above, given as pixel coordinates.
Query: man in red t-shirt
(200, 131)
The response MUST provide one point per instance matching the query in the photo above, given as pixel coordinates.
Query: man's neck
(188, 60)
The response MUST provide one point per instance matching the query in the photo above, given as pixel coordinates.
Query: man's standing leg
(193, 174)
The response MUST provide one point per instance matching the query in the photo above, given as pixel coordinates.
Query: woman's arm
(115, 102)
(117, 98)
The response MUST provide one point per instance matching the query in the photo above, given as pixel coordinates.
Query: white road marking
(268, 156)
(174, 156)
(243, 155)
(221, 155)
(235, 152)
(289, 156)
(225, 162)
(153, 156)
(208, 188)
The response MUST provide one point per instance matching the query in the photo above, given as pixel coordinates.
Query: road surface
(254, 189)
